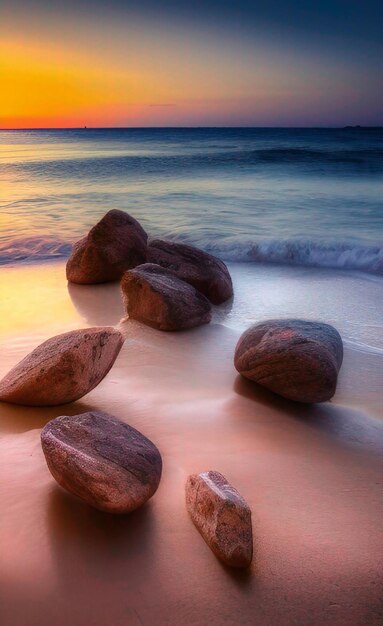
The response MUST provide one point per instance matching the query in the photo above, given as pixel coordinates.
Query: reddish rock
(63, 368)
(103, 461)
(155, 296)
(296, 359)
(117, 243)
(222, 517)
(205, 272)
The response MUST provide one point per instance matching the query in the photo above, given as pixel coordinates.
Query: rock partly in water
(63, 368)
(117, 243)
(296, 359)
(205, 272)
(222, 516)
(103, 461)
(155, 296)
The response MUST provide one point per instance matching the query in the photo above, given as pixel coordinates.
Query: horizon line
(324, 127)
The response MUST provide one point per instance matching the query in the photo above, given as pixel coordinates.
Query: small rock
(155, 296)
(103, 461)
(63, 368)
(296, 359)
(222, 517)
(117, 243)
(205, 272)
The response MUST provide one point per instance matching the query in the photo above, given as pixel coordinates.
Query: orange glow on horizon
(152, 80)
(48, 87)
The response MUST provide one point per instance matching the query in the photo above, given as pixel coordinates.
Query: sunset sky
(150, 63)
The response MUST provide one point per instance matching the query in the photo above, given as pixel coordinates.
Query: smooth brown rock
(114, 245)
(296, 359)
(63, 368)
(155, 296)
(222, 516)
(205, 272)
(103, 461)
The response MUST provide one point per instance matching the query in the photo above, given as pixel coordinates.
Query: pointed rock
(63, 368)
(222, 516)
(102, 460)
(155, 296)
(202, 270)
(114, 245)
(296, 359)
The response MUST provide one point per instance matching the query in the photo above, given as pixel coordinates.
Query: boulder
(155, 296)
(205, 272)
(114, 245)
(296, 359)
(103, 461)
(63, 368)
(222, 517)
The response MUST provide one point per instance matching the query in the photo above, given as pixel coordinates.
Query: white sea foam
(33, 250)
(282, 252)
(301, 253)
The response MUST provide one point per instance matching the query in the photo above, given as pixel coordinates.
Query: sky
(203, 63)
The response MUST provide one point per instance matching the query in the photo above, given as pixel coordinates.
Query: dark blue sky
(344, 18)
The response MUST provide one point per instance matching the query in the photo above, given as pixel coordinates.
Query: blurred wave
(33, 250)
(298, 253)
(305, 253)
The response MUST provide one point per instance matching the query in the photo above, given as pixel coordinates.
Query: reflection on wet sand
(99, 305)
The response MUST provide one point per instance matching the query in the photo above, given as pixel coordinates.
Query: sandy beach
(311, 474)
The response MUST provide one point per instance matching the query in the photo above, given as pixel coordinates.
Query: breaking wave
(33, 250)
(281, 252)
(302, 253)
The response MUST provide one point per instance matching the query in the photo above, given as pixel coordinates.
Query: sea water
(309, 197)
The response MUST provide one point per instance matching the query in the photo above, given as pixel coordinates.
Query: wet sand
(312, 476)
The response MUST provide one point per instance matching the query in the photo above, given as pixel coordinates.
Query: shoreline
(311, 474)
(351, 257)
(37, 303)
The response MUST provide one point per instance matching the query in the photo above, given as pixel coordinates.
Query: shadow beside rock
(341, 423)
(106, 546)
(15, 418)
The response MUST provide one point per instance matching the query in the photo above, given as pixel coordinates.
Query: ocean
(306, 197)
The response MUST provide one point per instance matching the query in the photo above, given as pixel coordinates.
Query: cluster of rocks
(169, 286)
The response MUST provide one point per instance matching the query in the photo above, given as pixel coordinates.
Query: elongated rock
(222, 516)
(63, 368)
(296, 359)
(115, 244)
(103, 461)
(155, 296)
(202, 270)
